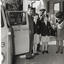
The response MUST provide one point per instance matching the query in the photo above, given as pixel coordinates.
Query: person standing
(59, 26)
(36, 34)
(45, 33)
(41, 18)
(31, 32)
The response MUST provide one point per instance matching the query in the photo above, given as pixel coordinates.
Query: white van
(20, 24)
(6, 42)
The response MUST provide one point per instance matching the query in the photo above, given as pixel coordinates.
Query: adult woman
(60, 31)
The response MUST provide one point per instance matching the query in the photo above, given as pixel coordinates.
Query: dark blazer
(40, 20)
(37, 27)
(45, 29)
(31, 24)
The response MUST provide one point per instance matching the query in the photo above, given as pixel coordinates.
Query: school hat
(42, 10)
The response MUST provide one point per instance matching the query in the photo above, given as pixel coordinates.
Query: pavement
(51, 58)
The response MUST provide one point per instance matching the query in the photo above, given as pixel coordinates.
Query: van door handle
(9, 33)
(26, 29)
(17, 30)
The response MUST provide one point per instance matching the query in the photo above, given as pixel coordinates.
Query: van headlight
(2, 57)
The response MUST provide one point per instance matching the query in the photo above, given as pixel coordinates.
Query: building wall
(51, 12)
(51, 7)
(28, 2)
(52, 3)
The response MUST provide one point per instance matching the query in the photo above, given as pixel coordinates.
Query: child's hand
(59, 26)
(54, 26)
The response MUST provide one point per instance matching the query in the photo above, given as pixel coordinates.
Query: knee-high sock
(46, 46)
(43, 46)
(35, 48)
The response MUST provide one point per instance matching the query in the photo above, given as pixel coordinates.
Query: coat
(60, 31)
(31, 24)
(40, 20)
(37, 28)
(31, 34)
(45, 29)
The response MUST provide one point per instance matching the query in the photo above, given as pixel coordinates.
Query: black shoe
(36, 54)
(39, 50)
(31, 51)
(31, 57)
(47, 51)
(61, 52)
(57, 51)
(43, 52)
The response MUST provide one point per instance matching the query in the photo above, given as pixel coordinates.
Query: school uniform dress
(45, 31)
(39, 39)
(36, 32)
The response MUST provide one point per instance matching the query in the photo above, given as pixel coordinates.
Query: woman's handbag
(53, 32)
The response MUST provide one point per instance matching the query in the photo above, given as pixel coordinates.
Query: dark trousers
(31, 42)
(30, 45)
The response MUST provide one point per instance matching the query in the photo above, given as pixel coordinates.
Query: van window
(7, 20)
(2, 22)
(17, 18)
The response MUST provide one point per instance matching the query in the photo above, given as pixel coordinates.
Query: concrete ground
(51, 58)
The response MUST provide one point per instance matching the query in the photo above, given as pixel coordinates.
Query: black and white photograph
(32, 31)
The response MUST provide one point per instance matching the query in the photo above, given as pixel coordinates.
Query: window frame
(17, 12)
(59, 6)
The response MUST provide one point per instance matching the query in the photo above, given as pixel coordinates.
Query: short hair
(59, 14)
(35, 14)
(46, 15)
(30, 8)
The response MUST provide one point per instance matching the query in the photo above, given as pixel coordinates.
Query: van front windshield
(17, 18)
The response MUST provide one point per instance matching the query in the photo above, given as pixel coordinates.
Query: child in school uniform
(36, 34)
(45, 33)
